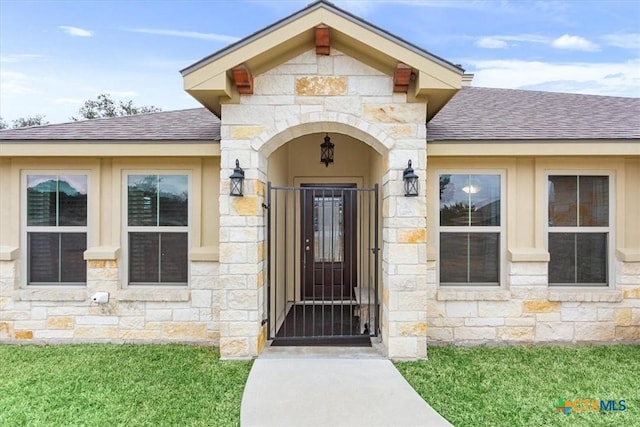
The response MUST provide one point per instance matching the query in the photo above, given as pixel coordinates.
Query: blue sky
(55, 54)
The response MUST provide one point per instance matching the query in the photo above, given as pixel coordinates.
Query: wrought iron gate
(322, 274)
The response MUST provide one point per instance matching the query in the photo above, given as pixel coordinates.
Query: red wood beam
(243, 80)
(401, 78)
(323, 41)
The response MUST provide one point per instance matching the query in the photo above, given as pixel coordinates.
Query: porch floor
(321, 325)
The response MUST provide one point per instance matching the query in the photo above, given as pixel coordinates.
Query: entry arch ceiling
(210, 80)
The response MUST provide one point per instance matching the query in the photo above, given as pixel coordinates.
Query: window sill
(153, 294)
(9, 253)
(584, 295)
(204, 253)
(628, 255)
(528, 255)
(102, 253)
(53, 294)
(495, 294)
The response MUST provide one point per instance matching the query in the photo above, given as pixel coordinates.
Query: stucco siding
(52, 313)
(524, 308)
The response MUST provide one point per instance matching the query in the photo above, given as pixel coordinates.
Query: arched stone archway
(286, 130)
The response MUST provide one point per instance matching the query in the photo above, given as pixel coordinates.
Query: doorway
(328, 251)
(322, 265)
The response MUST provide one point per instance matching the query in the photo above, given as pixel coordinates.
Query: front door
(328, 224)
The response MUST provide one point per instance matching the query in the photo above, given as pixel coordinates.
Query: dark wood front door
(328, 223)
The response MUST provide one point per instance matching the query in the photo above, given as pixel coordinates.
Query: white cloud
(19, 57)
(189, 34)
(366, 7)
(75, 31)
(448, 4)
(624, 41)
(527, 38)
(570, 42)
(491, 43)
(61, 91)
(12, 82)
(502, 42)
(615, 79)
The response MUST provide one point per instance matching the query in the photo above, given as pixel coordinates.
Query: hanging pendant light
(326, 151)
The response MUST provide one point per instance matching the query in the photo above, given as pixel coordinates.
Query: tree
(102, 106)
(23, 122)
(105, 106)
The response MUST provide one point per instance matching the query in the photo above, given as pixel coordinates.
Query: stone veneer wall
(53, 314)
(530, 311)
(316, 94)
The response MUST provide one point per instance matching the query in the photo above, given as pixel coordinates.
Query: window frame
(501, 229)
(609, 230)
(25, 229)
(126, 229)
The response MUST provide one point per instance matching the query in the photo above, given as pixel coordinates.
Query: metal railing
(322, 261)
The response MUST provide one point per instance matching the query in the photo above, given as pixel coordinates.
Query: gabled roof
(477, 113)
(311, 7)
(196, 124)
(210, 80)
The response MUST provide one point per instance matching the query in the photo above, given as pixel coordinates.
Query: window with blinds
(56, 229)
(157, 229)
(578, 229)
(470, 229)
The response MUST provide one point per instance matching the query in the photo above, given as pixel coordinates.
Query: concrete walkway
(316, 388)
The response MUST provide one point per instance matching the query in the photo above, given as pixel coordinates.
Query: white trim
(125, 228)
(25, 229)
(159, 229)
(610, 229)
(501, 229)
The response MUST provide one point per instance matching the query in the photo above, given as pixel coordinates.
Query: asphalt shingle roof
(181, 125)
(474, 114)
(477, 113)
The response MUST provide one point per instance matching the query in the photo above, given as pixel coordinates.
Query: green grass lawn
(520, 386)
(117, 385)
(174, 385)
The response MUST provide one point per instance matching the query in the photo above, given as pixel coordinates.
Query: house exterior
(523, 229)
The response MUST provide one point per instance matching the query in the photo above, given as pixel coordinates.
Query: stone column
(404, 258)
(242, 252)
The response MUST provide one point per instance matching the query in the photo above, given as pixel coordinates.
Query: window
(157, 229)
(56, 229)
(578, 239)
(470, 229)
(328, 228)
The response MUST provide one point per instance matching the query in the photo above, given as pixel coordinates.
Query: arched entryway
(323, 242)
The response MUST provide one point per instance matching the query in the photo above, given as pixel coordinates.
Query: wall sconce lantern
(410, 182)
(237, 180)
(326, 151)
